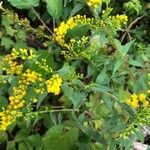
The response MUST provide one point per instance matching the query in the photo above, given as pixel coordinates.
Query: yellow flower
(145, 104)
(118, 20)
(134, 97)
(134, 104)
(71, 23)
(142, 97)
(61, 31)
(94, 3)
(53, 84)
(10, 65)
(138, 101)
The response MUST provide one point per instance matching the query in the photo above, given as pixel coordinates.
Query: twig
(129, 27)
(51, 111)
(42, 21)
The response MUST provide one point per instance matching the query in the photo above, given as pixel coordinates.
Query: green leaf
(21, 135)
(22, 146)
(76, 9)
(124, 49)
(6, 21)
(35, 140)
(140, 136)
(3, 102)
(117, 65)
(136, 63)
(11, 145)
(76, 96)
(60, 137)
(102, 78)
(6, 42)
(3, 137)
(54, 8)
(41, 98)
(24, 4)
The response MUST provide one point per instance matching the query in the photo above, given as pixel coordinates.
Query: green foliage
(54, 8)
(63, 136)
(94, 64)
(26, 4)
(133, 6)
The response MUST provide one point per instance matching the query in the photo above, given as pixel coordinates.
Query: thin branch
(127, 32)
(42, 21)
(53, 110)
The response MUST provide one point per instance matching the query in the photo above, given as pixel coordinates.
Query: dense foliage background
(74, 74)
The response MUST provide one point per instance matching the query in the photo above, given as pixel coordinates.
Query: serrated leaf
(117, 65)
(24, 4)
(54, 8)
(136, 63)
(102, 77)
(124, 49)
(75, 96)
(7, 42)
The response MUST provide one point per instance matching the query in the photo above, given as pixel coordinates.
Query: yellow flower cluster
(62, 30)
(7, 117)
(10, 65)
(148, 84)
(17, 102)
(139, 100)
(94, 3)
(118, 20)
(53, 84)
(23, 53)
(29, 77)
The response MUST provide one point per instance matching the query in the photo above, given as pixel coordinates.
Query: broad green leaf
(99, 88)
(54, 8)
(102, 78)
(24, 4)
(117, 65)
(21, 135)
(35, 140)
(76, 9)
(11, 145)
(22, 146)
(136, 63)
(6, 21)
(6, 42)
(60, 137)
(76, 96)
(123, 95)
(124, 49)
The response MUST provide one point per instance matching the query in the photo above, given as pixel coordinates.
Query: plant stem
(42, 21)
